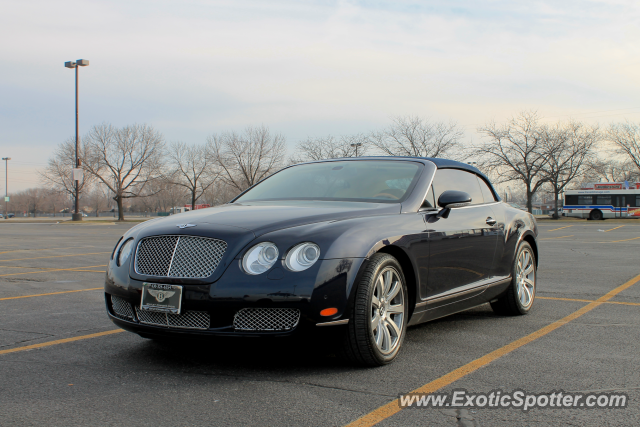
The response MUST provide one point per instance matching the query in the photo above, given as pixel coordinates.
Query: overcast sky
(306, 68)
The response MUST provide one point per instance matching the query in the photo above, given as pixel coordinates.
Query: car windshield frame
(409, 189)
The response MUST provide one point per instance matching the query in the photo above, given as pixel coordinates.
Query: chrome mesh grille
(179, 256)
(153, 256)
(186, 320)
(266, 319)
(196, 257)
(121, 308)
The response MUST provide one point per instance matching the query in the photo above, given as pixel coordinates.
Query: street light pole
(76, 172)
(356, 145)
(6, 185)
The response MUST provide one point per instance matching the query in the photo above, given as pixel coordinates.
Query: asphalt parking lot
(62, 362)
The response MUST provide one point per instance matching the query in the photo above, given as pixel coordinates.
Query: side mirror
(452, 199)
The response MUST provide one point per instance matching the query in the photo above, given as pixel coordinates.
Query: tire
(378, 322)
(596, 215)
(519, 297)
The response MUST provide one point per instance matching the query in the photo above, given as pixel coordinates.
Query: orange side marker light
(329, 311)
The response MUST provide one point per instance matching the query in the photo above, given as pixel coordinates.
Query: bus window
(637, 201)
(603, 200)
(585, 200)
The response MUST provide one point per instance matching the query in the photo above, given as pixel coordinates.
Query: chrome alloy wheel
(526, 278)
(387, 310)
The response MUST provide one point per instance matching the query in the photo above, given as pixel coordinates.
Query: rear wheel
(378, 321)
(518, 298)
(596, 215)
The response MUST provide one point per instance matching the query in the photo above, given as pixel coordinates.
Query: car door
(462, 246)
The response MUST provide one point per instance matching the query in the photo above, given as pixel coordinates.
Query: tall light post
(6, 184)
(356, 145)
(77, 172)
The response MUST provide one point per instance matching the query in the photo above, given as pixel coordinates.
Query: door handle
(491, 221)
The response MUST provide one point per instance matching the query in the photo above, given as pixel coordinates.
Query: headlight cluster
(260, 258)
(302, 256)
(125, 252)
(264, 255)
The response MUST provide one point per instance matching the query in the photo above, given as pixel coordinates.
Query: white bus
(601, 204)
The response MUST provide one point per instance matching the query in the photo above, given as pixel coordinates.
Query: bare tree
(246, 159)
(170, 196)
(221, 193)
(54, 200)
(28, 201)
(34, 198)
(126, 160)
(330, 147)
(191, 167)
(57, 175)
(566, 148)
(414, 136)
(626, 137)
(98, 198)
(612, 170)
(513, 152)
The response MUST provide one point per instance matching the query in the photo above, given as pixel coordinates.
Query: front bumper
(326, 284)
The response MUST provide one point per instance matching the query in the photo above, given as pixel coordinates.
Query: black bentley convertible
(364, 246)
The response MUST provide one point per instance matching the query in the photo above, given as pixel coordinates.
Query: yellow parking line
(614, 228)
(58, 269)
(588, 300)
(625, 240)
(560, 237)
(393, 407)
(47, 249)
(556, 229)
(62, 341)
(54, 256)
(50, 293)
(42, 268)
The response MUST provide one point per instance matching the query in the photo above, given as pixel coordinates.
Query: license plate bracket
(161, 298)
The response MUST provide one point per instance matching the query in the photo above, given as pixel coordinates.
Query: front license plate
(161, 298)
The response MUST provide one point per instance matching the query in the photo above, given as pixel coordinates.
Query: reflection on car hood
(264, 217)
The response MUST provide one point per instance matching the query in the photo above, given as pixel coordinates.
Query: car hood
(239, 224)
(264, 217)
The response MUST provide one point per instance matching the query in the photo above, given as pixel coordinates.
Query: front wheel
(518, 298)
(378, 321)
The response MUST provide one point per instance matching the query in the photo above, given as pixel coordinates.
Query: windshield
(379, 181)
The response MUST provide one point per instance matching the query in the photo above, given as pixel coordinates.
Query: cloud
(192, 68)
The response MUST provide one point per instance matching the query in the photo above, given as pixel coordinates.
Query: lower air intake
(186, 320)
(121, 308)
(266, 319)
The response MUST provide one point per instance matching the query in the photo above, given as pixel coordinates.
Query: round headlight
(302, 256)
(125, 252)
(260, 258)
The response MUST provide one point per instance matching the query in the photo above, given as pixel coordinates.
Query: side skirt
(426, 311)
